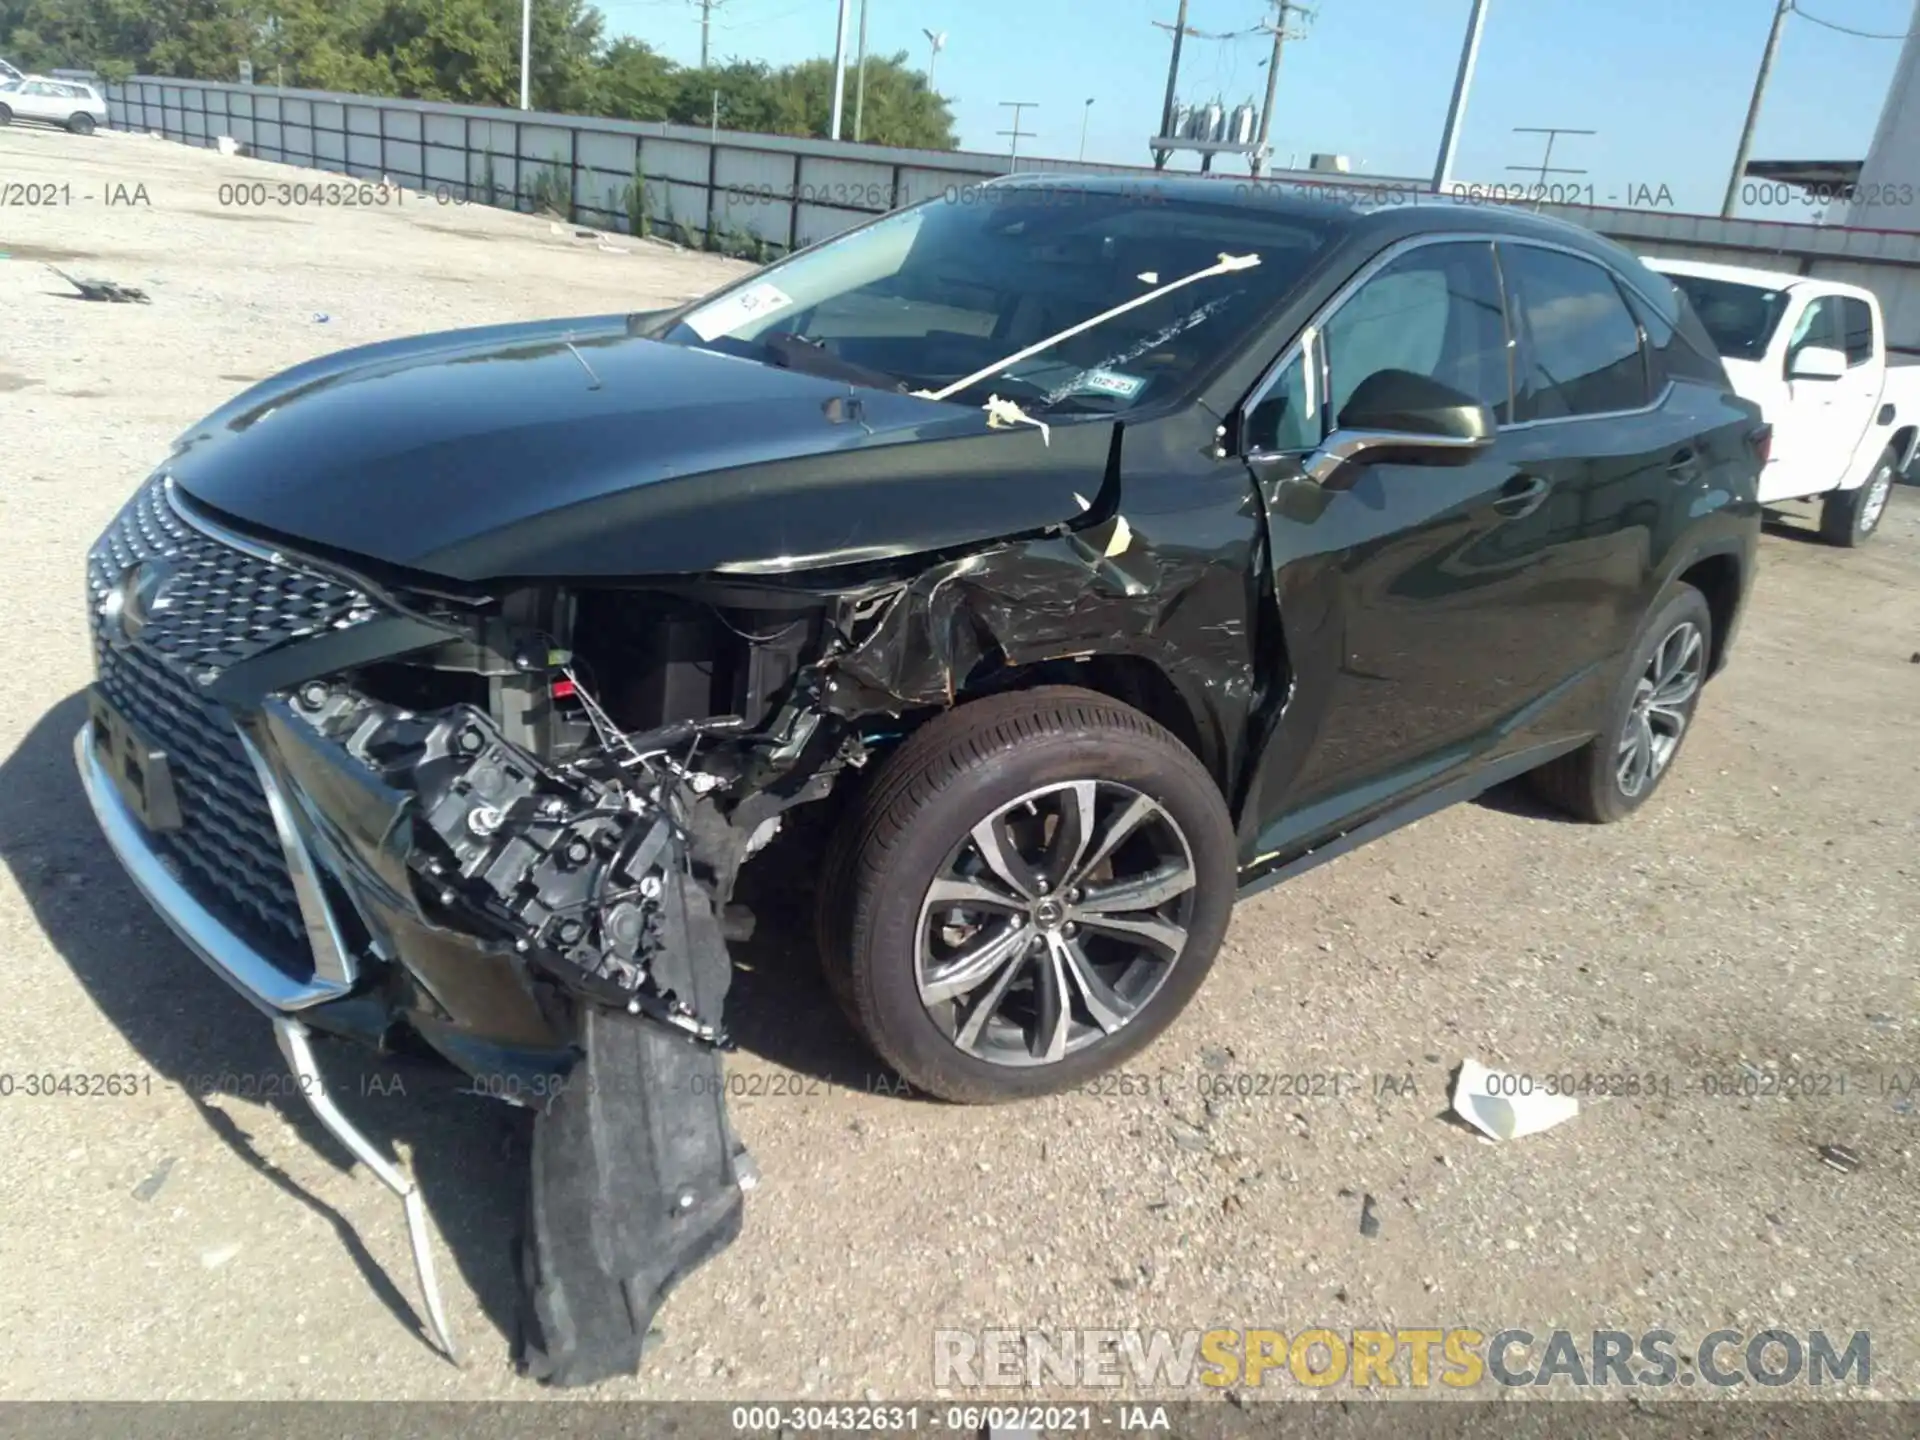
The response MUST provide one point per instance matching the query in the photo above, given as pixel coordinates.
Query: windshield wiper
(790, 352)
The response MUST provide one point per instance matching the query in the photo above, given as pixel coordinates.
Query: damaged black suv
(1083, 553)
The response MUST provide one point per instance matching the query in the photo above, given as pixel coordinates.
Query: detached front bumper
(350, 865)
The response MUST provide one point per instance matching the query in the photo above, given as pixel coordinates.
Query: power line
(1847, 29)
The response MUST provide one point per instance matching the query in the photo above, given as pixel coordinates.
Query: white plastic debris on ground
(1493, 1103)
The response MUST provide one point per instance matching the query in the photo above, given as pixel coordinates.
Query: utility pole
(1546, 166)
(936, 41)
(1283, 9)
(1457, 110)
(1180, 33)
(1753, 110)
(1016, 133)
(860, 84)
(1085, 116)
(839, 70)
(526, 54)
(706, 27)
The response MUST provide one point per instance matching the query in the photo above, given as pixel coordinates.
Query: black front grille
(218, 605)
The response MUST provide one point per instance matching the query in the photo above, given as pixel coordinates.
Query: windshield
(940, 292)
(1740, 318)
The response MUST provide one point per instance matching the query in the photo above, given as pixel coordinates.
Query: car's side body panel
(1442, 621)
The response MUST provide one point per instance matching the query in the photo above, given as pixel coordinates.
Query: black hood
(573, 448)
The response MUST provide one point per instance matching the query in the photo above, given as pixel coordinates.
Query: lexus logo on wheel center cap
(133, 602)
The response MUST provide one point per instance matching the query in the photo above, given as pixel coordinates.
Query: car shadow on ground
(1798, 522)
(780, 1007)
(1516, 797)
(198, 1037)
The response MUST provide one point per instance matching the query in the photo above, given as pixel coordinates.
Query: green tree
(635, 82)
(462, 50)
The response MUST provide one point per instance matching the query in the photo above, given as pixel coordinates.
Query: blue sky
(1664, 82)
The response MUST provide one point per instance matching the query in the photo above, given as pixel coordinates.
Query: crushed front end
(506, 824)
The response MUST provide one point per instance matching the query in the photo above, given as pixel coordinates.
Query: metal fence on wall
(783, 192)
(786, 192)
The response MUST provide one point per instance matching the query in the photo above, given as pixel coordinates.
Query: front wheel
(6, 116)
(1648, 715)
(1032, 889)
(1849, 517)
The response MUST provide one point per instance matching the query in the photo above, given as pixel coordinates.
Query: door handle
(1522, 495)
(1684, 466)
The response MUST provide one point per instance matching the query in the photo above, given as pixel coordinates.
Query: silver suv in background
(70, 103)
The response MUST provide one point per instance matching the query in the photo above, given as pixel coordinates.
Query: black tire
(1587, 783)
(919, 810)
(6, 116)
(81, 124)
(1848, 518)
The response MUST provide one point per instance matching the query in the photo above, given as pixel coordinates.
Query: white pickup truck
(1813, 355)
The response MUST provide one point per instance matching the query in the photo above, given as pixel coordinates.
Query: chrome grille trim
(206, 933)
(239, 856)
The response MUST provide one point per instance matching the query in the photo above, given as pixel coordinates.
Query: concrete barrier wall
(766, 194)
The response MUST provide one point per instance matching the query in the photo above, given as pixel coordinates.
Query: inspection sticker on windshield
(1110, 382)
(731, 312)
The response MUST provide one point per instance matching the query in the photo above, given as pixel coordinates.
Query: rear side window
(1856, 324)
(1670, 353)
(1582, 347)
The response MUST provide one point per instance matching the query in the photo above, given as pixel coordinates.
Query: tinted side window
(1436, 312)
(1856, 320)
(1583, 354)
(1818, 325)
(1280, 421)
(1672, 355)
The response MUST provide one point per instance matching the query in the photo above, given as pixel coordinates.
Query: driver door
(1403, 592)
(1809, 452)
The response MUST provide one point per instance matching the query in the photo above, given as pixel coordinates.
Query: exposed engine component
(583, 868)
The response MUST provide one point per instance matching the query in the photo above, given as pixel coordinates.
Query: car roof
(1765, 279)
(1736, 274)
(1391, 209)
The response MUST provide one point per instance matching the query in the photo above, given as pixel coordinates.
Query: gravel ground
(1761, 913)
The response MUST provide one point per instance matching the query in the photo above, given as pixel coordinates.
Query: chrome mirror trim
(1345, 446)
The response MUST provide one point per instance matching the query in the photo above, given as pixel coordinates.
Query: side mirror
(1816, 362)
(1398, 417)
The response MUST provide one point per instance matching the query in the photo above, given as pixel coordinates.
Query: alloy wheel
(1055, 922)
(1662, 705)
(1879, 489)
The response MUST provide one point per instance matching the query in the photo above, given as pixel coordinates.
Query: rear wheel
(81, 124)
(6, 116)
(1648, 716)
(1849, 517)
(1032, 889)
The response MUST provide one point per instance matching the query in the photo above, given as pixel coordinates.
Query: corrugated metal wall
(790, 192)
